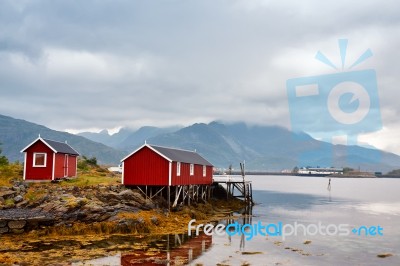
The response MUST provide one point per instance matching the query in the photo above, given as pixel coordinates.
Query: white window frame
(178, 168)
(191, 169)
(34, 159)
(204, 171)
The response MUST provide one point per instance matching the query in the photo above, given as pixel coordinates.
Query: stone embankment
(21, 220)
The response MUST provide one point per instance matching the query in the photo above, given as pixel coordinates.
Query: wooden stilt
(169, 198)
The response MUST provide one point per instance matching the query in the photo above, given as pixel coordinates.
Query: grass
(92, 179)
(10, 172)
(78, 228)
(9, 202)
(141, 222)
(34, 194)
(91, 176)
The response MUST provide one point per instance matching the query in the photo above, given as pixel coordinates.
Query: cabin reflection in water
(179, 249)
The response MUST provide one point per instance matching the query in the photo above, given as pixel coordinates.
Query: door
(66, 165)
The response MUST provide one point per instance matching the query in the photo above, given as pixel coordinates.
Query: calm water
(306, 200)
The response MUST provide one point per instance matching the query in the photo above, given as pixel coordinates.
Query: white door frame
(65, 165)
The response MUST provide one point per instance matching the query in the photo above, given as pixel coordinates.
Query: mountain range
(269, 148)
(16, 134)
(262, 147)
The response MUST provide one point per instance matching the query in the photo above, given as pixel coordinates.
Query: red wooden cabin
(49, 160)
(152, 165)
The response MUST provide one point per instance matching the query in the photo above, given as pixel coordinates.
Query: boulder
(18, 224)
(130, 195)
(2, 200)
(3, 223)
(18, 199)
(22, 188)
(16, 189)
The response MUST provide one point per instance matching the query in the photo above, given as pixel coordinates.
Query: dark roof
(183, 156)
(61, 147)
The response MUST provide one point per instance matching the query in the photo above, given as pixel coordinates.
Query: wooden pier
(236, 186)
(177, 195)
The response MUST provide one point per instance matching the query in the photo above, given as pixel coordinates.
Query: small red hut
(152, 165)
(49, 160)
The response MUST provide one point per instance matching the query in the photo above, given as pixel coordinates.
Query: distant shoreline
(313, 175)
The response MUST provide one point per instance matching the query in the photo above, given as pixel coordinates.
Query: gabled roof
(175, 155)
(55, 146)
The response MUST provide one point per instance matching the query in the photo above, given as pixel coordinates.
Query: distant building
(320, 171)
(49, 160)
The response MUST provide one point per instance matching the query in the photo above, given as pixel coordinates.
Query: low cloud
(134, 63)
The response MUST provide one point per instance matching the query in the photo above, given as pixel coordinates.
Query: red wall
(72, 163)
(60, 167)
(38, 173)
(146, 167)
(186, 179)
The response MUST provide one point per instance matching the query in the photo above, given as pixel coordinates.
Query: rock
(130, 195)
(18, 199)
(16, 189)
(110, 198)
(2, 200)
(18, 224)
(92, 208)
(22, 188)
(7, 194)
(17, 231)
(126, 194)
(4, 188)
(3, 223)
(81, 216)
(102, 189)
(3, 230)
(154, 220)
(22, 204)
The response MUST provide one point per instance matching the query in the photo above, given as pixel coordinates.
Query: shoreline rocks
(60, 205)
(21, 220)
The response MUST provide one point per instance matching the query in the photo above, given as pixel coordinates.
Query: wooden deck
(236, 186)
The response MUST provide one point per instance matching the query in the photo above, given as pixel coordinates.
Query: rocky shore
(64, 209)
(60, 223)
(26, 207)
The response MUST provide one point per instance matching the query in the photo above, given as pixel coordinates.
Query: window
(178, 168)
(191, 169)
(204, 170)
(39, 159)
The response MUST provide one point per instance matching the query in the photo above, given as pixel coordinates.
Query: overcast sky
(89, 65)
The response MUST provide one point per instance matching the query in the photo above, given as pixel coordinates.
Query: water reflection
(175, 249)
(246, 218)
(294, 200)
